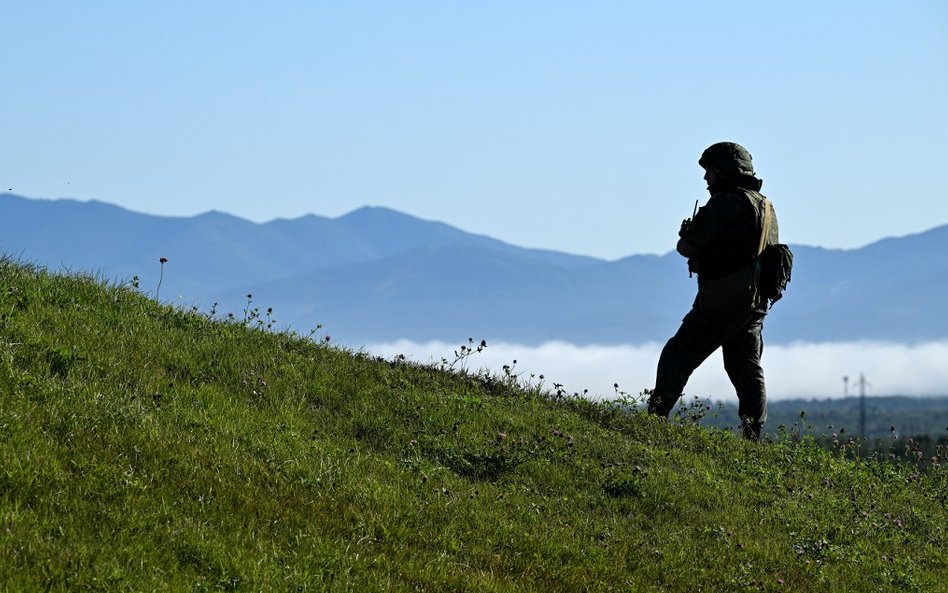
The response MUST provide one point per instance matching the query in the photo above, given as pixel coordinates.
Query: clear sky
(574, 126)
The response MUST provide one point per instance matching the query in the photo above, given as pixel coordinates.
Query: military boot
(750, 429)
(661, 404)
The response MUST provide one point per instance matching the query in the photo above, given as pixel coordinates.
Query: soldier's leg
(696, 339)
(742, 353)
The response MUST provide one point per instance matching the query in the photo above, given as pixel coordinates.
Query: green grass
(146, 448)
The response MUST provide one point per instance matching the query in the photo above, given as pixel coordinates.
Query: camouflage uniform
(724, 235)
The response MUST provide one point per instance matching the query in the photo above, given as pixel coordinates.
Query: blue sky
(568, 125)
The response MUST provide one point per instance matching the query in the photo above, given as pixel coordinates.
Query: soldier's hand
(684, 226)
(693, 266)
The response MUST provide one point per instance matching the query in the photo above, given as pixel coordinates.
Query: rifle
(684, 225)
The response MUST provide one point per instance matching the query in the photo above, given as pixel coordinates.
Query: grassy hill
(146, 448)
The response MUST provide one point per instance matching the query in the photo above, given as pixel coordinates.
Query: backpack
(775, 261)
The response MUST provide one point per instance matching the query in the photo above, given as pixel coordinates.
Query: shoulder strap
(765, 227)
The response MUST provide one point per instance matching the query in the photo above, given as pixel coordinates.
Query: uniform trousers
(739, 338)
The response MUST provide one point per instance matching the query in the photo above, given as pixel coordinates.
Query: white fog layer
(793, 371)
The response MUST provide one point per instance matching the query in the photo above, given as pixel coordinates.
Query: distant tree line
(897, 427)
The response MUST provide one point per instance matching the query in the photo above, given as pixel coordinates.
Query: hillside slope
(149, 448)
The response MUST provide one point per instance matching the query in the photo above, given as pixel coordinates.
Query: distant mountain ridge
(376, 274)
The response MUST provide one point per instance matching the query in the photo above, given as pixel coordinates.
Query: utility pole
(862, 404)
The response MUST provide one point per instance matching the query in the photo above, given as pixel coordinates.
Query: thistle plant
(463, 353)
(161, 276)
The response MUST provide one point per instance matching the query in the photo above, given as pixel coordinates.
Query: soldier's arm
(702, 231)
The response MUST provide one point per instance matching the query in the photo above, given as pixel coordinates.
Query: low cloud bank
(793, 371)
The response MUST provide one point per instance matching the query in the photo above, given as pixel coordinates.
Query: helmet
(727, 157)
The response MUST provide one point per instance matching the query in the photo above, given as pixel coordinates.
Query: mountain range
(376, 275)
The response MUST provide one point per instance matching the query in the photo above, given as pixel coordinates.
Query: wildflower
(161, 276)
(501, 436)
(327, 339)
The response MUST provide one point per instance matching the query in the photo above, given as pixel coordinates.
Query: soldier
(722, 244)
